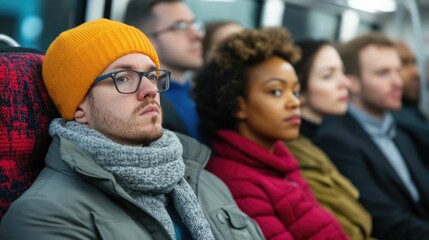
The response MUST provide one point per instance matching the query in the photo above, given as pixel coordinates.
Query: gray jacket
(74, 198)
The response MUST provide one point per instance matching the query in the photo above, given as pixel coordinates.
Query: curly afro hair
(219, 84)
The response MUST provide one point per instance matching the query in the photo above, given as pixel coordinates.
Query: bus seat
(25, 113)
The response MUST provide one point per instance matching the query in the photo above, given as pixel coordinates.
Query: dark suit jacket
(395, 214)
(414, 123)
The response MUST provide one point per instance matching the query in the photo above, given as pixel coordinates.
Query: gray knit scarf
(149, 174)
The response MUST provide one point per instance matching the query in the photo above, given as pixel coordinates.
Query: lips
(196, 49)
(396, 95)
(294, 119)
(150, 109)
(344, 98)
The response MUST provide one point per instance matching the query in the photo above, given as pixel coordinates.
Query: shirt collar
(384, 127)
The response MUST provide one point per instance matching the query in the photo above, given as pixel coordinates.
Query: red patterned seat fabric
(25, 113)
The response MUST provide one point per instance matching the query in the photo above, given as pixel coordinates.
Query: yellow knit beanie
(79, 55)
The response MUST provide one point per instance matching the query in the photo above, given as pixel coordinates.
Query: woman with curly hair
(247, 99)
(324, 91)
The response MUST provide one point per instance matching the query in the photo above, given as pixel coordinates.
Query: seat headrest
(5, 40)
(25, 113)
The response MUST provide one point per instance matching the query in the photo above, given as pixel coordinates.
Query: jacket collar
(195, 156)
(231, 145)
(384, 127)
(67, 157)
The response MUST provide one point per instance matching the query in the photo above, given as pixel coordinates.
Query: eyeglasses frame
(173, 28)
(141, 75)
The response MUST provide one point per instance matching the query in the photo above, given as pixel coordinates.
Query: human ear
(354, 84)
(81, 115)
(242, 109)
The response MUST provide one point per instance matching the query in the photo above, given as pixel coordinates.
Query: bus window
(305, 23)
(36, 23)
(365, 27)
(244, 12)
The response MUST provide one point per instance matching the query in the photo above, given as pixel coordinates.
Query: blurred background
(35, 23)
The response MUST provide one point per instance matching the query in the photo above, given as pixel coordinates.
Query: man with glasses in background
(112, 171)
(177, 37)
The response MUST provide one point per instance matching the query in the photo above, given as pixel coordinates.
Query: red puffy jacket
(269, 188)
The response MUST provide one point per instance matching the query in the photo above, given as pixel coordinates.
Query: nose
(197, 30)
(293, 101)
(196, 33)
(200, 34)
(345, 81)
(146, 90)
(397, 80)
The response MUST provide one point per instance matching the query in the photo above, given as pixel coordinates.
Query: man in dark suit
(367, 147)
(410, 118)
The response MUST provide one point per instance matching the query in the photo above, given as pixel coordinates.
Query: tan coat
(332, 190)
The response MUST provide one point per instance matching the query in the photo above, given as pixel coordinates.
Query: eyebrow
(329, 68)
(293, 85)
(275, 80)
(132, 67)
(284, 81)
(184, 20)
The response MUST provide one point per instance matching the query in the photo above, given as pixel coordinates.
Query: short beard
(122, 131)
(151, 137)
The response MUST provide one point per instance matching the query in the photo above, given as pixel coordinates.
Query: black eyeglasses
(128, 81)
(181, 26)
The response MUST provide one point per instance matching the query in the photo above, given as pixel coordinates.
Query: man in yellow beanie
(112, 171)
